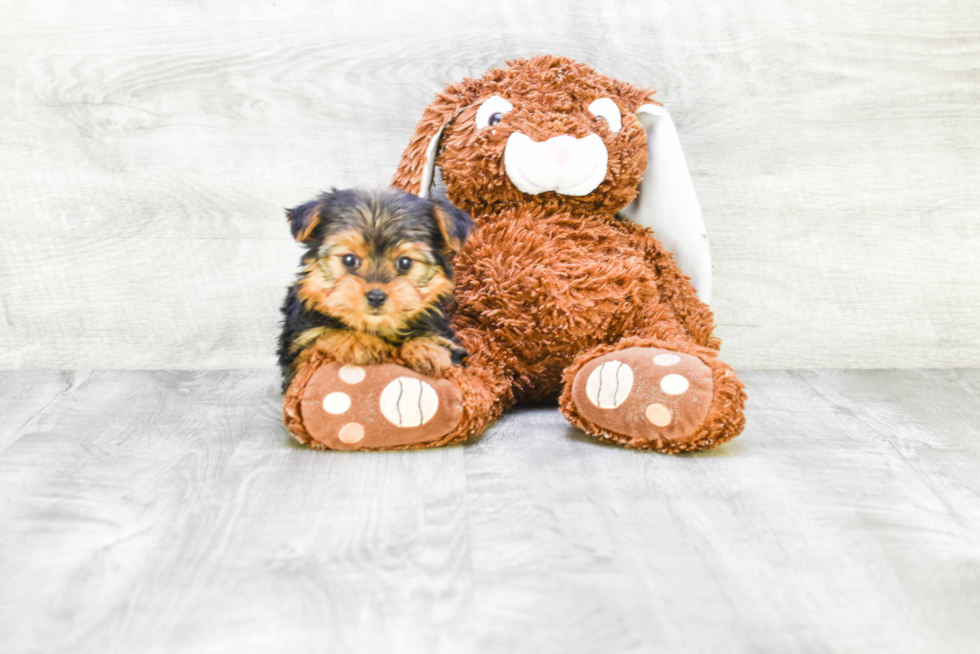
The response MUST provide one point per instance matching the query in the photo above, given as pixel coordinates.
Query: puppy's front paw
(345, 346)
(431, 355)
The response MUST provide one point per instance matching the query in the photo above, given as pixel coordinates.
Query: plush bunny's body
(566, 290)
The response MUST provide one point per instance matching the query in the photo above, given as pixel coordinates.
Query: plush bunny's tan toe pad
(382, 406)
(644, 393)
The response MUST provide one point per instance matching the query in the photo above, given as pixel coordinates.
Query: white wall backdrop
(147, 150)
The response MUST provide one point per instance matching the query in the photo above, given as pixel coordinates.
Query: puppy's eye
(492, 111)
(605, 109)
(350, 261)
(404, 264)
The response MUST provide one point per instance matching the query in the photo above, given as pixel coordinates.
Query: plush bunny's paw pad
(382, 406)
(644, 394)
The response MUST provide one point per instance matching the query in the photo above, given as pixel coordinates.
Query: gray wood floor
(169, 512)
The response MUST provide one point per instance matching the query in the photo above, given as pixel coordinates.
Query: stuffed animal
(568, 289)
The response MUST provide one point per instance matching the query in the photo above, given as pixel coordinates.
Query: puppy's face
(377, 260)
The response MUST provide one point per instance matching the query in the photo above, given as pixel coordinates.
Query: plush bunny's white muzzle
(563, 164)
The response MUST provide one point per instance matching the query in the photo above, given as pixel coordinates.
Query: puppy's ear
(455, 225)
(304, 219)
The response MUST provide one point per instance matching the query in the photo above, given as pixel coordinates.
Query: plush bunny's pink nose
(559, 148)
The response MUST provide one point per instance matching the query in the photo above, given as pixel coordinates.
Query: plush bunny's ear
(429, 165)
(418, 165)
(417, 168)
(667, 202)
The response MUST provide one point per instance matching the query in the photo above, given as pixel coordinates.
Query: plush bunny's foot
(654, 398)
(386, 406)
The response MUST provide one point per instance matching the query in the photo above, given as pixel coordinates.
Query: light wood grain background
(147, 150)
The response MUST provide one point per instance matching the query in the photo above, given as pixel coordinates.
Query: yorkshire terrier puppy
(376, 281)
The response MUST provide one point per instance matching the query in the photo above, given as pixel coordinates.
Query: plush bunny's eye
(492, 111)
(607, 110)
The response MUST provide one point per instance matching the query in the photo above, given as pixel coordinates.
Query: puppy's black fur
(385, 219)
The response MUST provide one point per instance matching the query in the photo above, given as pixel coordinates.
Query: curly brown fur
(375, 283)
(550, 281)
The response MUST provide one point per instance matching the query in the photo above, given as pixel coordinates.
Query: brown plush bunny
(564, 291)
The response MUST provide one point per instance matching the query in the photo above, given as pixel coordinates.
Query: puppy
(376, 281)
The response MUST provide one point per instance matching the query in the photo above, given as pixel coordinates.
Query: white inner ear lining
(430, 162)
(667, 202)
(431, 153)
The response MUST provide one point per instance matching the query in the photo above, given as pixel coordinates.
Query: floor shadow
(731, 448)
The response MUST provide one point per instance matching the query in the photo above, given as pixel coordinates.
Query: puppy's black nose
(376, 297)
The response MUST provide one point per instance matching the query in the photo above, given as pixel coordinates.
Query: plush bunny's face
(548, 131)
(550, 134)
